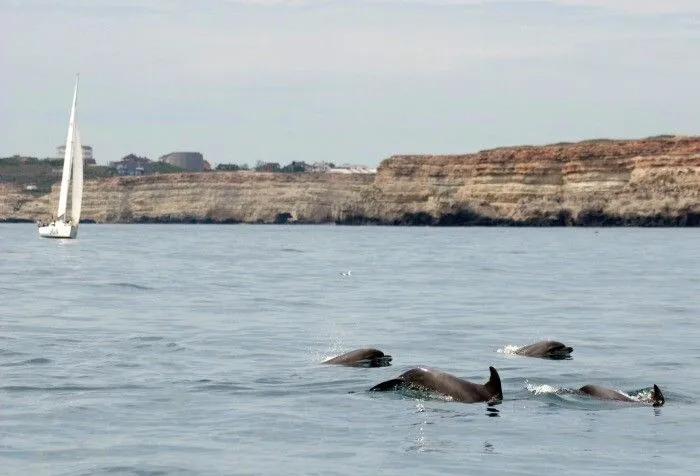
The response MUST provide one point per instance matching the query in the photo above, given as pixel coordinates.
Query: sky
(343, 81)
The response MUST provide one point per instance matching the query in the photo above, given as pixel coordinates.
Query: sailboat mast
(68, 156)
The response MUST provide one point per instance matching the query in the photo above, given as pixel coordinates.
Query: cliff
(217, 197)
(646, 182)
(653, 181)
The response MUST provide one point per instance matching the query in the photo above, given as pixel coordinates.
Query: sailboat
(65, 225)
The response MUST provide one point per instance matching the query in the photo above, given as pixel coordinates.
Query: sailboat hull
(58, 229)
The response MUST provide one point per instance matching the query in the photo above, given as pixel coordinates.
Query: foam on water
(542, 388)
(510, 349)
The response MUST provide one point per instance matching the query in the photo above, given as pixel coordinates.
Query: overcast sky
(346, 81)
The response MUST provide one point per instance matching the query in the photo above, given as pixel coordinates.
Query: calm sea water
(174, 349)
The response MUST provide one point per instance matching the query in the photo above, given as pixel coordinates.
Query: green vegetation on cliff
(41, 173)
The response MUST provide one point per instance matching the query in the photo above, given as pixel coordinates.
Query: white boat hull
(58, 229)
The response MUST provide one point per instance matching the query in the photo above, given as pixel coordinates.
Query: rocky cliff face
(221, 197)
(648, 181)
(12, 201)
(654, 181)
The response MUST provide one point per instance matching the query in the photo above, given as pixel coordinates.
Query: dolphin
(605, 393)
(361, 358)
(440, 382)
(546, 349)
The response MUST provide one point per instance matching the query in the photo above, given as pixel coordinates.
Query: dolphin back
(362, 358)
(446, 384)
(546, 349)
(388, 386)
(605, 393)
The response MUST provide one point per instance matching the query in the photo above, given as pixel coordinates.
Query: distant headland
(653, 181)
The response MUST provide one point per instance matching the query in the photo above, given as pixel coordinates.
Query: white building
(87, 153)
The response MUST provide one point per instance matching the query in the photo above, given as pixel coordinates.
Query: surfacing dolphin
(446, 384)
(605, 393)
(361, 358)
(546, 349)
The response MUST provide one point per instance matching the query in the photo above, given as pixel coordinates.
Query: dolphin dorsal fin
(493, 386)
(657, 397)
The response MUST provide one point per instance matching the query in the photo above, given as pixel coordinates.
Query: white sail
(77, 195)
(68, 158)
(61, 226)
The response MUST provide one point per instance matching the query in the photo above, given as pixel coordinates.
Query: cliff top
(567, 151)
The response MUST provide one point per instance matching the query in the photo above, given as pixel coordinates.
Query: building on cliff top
(133, 165)
(190, 161)
(87, 154)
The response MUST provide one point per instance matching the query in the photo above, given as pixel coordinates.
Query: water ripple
(138, 287)
(35, 361)
(68, 388)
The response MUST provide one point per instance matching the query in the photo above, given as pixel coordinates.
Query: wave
(147, 342)
(34, 361)
(138, 287)
(146, 338)
(10, 353)
(68, 388)
(140, 470)
(206, 385)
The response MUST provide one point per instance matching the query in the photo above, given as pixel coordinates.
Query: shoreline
(690, 220)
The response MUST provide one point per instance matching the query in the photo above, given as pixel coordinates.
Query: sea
(199, 349)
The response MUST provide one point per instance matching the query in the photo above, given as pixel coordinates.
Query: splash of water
(510, 349)
(540, 389)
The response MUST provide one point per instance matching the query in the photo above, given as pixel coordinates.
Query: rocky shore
(645, 182)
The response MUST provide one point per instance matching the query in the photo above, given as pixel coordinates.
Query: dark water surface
(175, 349)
